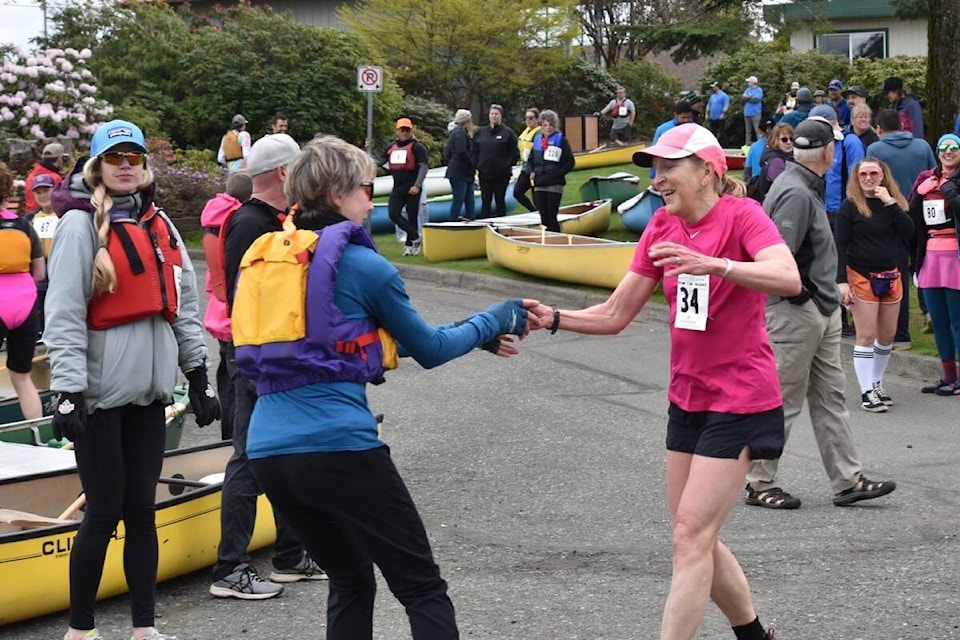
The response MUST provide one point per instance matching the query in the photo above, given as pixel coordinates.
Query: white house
(851, 28)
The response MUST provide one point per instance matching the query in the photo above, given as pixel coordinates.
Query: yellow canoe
(35, 545)
(605, 156)
(461, 240)
(560, 256)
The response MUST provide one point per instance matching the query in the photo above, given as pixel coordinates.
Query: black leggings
(400, 200)
(119, 460)
(520, 190)
(548, 203)
(493, 187)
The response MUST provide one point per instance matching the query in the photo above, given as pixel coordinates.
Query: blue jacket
(845, 155)
(906, 155)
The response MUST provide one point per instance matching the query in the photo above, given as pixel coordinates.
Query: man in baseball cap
(752, 108)
(835, 90)
(233, 575)
(911, 113)
(406, 158)
(803, 328)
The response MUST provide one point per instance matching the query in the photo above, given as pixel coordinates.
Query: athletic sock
(752, 631)
(949, 371)
(863, 366)
(881, 357)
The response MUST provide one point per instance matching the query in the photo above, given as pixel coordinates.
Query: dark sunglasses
(785, 139)
(952, 147)
(115, 158)
(367, 187)
(530, 117)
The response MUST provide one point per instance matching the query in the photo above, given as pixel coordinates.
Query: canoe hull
(464, 240)
(638, 211)
(559, 256)
(188, 532)
(735, 159)
(438, 210)
(605, 157)
(618, 187)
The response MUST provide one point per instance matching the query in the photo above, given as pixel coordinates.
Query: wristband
(556, 320)
(726, 271)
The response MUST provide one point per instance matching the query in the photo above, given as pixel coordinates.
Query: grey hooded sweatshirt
(134, 363)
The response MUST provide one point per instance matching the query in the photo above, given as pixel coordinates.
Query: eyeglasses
(953, 147)
(786, 139)
(115, 158)
(367, 187)
(531, 117)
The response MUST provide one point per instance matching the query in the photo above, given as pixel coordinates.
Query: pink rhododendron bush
(49, 93)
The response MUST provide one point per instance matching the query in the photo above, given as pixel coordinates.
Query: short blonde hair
(327, 166)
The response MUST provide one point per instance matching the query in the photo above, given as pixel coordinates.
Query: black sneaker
(882, 394)
(865, 489)
(870, 402)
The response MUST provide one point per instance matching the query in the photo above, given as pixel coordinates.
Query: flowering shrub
(48, 93)
(185, 181)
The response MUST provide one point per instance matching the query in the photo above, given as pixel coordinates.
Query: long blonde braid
(104, 274)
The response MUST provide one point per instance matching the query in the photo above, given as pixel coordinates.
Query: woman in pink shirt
(718, 257)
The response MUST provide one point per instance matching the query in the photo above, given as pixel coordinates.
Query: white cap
(752, 79)
(271, 151)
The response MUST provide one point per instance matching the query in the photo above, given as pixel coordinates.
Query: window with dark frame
(854, 44)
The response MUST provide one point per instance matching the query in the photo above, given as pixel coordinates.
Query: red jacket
(31, 202)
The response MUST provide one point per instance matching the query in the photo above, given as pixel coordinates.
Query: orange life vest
(146, 257)
(402, 158)
(217, 266)
(231, 145)
(14, 244)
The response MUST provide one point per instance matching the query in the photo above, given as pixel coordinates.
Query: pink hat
(682, 141)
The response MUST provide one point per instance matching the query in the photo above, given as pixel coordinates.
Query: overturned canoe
(637, 211)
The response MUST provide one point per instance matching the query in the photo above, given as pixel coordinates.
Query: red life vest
(146, 257)
(14, 244)
(402, 158)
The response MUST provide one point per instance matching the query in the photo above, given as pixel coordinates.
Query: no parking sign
(369, 78)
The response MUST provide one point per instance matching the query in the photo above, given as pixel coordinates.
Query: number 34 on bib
(693, 302)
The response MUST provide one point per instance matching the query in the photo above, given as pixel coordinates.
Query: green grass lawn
(393, 251)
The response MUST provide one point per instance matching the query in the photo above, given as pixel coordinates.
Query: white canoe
(560, 256)
(462, 240)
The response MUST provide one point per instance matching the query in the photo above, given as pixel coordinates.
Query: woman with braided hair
(121, 314)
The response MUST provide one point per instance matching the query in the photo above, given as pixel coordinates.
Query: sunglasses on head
(786, 139)
(115, 158)
(367, 187)
(953, 147)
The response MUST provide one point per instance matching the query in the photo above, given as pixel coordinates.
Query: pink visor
(682, 141)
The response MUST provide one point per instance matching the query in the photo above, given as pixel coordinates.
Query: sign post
(370, 81)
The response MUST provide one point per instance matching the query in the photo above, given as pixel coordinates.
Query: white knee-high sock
(881, 357)
(863, 366)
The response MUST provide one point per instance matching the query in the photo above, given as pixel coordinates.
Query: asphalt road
(540, 480)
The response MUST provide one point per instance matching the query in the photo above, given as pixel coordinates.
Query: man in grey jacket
(804, 330)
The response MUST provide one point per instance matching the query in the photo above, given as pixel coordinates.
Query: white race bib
(622, 111)
(934, 212)
(693, 301)
(45, 226)
(398, 156)
(551, 154)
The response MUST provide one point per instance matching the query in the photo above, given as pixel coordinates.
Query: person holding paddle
(122, 313)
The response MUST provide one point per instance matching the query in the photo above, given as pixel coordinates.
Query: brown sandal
(773, 498)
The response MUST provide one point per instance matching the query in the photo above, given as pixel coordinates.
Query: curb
(904, 363)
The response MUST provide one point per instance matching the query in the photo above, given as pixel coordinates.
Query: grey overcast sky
(20, 21)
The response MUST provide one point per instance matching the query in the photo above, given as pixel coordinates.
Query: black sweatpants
(352, 510)
(119, 460)
(548, 203)
(493, 186)
(400, 200)
(520, 190)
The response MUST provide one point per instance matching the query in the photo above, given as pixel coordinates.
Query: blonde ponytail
(732, 186)
(104, 273)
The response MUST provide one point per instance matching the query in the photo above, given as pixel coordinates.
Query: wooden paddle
(81, 500)
(26, 520)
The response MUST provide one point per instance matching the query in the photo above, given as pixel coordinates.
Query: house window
(854, 44)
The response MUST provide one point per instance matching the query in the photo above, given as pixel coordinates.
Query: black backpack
(759, 184)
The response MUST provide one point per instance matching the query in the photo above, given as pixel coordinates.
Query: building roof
(830, 9)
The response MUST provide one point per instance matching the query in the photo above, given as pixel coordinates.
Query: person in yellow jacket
(525, 144)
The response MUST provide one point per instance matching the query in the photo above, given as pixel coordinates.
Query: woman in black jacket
(551, 159)
(460, 166)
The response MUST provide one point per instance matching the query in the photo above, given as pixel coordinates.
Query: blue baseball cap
(835, 84)
(113, 133)
(43, 180)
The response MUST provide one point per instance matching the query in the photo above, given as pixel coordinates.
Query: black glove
(70, 416)
(203, 399)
